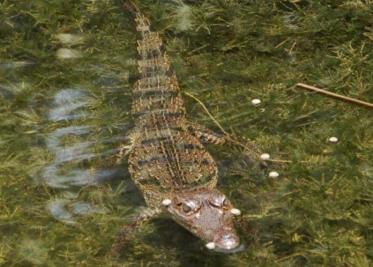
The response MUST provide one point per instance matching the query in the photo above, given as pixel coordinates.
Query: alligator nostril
(228, 241)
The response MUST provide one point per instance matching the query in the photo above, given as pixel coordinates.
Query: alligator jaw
(208, 214)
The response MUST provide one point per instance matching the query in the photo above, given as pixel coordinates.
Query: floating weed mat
(66, 70)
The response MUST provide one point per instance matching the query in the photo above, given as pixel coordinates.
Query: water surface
(66, 71)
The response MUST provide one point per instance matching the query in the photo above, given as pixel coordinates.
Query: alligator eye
(218, 201)
(186, 208)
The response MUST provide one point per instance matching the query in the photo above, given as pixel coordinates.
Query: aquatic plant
(317, 212)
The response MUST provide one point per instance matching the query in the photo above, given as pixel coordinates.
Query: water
(66, 71)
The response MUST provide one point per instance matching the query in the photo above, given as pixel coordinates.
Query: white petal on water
(166, 202)
(333, 139)
(274, 174)
(265, 156)
(235, 211)
(210, 245)
(256, 101)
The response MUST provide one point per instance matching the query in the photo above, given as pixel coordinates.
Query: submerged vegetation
(66, 69)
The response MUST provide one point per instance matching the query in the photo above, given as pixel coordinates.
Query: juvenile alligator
(167, 160)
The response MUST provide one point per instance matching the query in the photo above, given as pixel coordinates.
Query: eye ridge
(214, 203)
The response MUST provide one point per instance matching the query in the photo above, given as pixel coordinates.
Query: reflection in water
(58, 211)
(15, 64)
(73, 178)
(69, 168)
(66, 103)
(63, 209)
(75, 152)
(53, 139)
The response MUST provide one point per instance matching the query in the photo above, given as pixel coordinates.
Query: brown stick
(337, 96)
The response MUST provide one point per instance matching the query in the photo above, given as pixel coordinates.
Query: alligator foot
(128, 230)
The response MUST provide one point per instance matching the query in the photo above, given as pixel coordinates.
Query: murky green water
(66, 70)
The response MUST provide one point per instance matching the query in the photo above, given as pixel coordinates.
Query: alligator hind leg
(127, 231)
(206, 135)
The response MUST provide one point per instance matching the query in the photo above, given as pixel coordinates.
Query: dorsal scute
(166, 156)
(142, 23)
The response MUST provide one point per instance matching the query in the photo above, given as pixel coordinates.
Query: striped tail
(157, 89)
(153, 61)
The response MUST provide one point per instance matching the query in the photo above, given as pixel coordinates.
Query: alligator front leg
(206, 135)
(126, 147)
(128, 230)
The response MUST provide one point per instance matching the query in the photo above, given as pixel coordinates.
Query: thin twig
(337, 96)
(208, 112)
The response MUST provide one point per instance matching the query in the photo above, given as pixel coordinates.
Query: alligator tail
(131, 7)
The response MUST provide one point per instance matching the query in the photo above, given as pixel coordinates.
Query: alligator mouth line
(230, 251)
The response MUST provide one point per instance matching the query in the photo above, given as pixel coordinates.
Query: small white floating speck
(210, 245)
(333, 139)
(256, 101)
(235, 211)
(166, 202)
(65, 53)
(273, 174)
(265, 156)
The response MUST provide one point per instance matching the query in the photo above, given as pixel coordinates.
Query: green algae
(318, 212)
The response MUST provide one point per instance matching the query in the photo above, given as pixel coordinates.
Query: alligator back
(166, 156)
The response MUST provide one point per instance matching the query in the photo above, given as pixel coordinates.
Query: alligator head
(208, 214)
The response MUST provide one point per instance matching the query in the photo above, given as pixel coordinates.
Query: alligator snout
(208, 215)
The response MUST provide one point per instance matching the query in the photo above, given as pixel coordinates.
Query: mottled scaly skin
(167, 160)
(166, 156)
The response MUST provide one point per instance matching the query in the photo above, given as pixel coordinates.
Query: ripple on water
(66, 104)
(57, 209)
(77, 152)
(74, 155)
(75, 177)
(34, 251)
(64, 209)
(53, 138)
